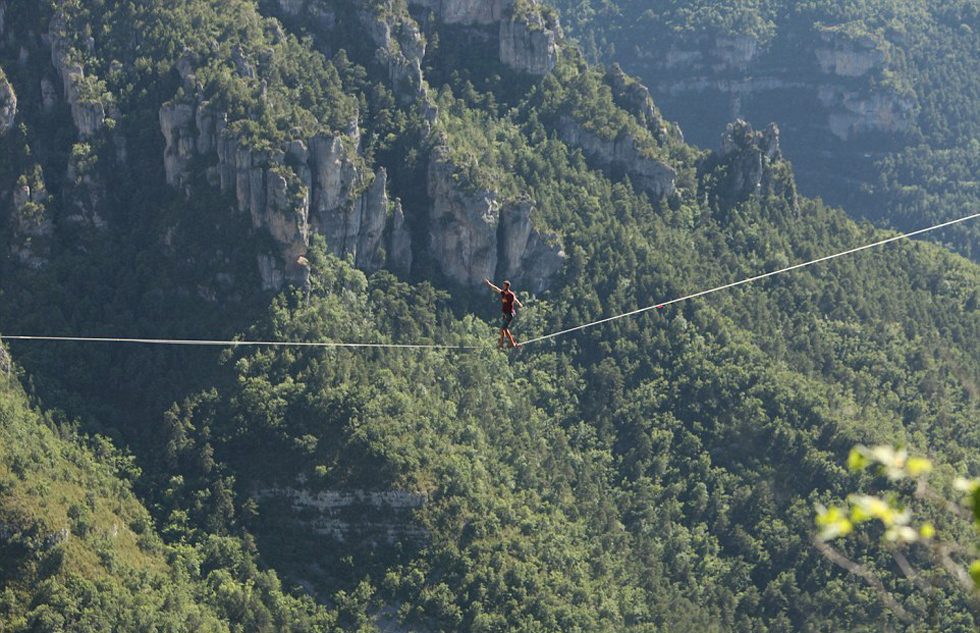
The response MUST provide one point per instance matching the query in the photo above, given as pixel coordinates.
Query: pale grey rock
(530, 259)
(8, 104)
(721, 54)
(285, 215)
(635, 98)
(631, 95)
(49, 95)
(852, 113)
(473, 236)
(466, 12)
(528, 45)
(89, 116)
(648, 174)
(243, 66)
(749, 158)
(369, 517)
(727, 65)
(292, 7)
(399, 241)
(735, 52)
(271, 272)
(845, 56)
(400, 47)
(176, 123)
(31, 225)
(323, 17)
(373, 215)
(335, 175)
(462, 225)
(305, 187)
(210, 126)
(186, 65)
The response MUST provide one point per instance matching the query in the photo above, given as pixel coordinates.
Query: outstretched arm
(495, 288)
(518, 302)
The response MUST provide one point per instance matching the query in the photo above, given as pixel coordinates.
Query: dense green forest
(652, 474)
(789, 59)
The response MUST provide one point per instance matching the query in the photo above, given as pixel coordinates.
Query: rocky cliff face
(31, 227)
(846, 56)
(843, 66)
(719, 55)
(632, 96)
(466, 12)
(474, 236)
(305, 186)
(8, 104)
(528, 39)
(353, 515)
(87, 111)
(471, 235)
(400, 47)
(528, 44)
(620, 154)
(854, 112)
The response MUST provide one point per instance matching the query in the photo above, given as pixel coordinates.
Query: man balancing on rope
(507, 299)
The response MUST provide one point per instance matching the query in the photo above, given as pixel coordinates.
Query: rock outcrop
(632, 96)
(31, 227)
(750, 159)
(528, 36)
(528, 44)
(845, 56)
(473, 236)
(305, 186)
(400, 48)
(357, 515)
(528, 257)
(87, 110)
(855, 112)
(621, 154)
(49, 96)
(462, 225)
(8, 104)
(466, 12)
(844, 78)
(719, 55)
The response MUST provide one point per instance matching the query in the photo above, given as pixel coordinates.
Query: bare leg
(500, 344)
(510, 337)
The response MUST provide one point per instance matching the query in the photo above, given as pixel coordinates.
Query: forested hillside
(330, 170)
(878, 99)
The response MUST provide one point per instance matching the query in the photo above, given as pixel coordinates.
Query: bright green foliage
(244, 63)
(79, 552)
(947, 545)
(652, 474)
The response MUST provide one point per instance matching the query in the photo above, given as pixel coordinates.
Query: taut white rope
(896, 238)
(327, 344)
(211, 343)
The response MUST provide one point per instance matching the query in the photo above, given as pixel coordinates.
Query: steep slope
(79, 552)
(652, 474)
(876, 97)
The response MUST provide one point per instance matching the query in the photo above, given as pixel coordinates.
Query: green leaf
(856, 460)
